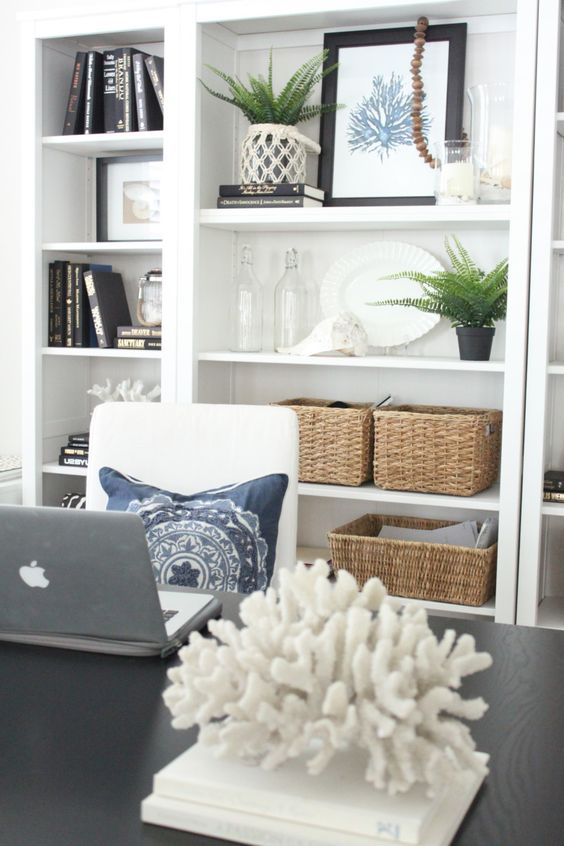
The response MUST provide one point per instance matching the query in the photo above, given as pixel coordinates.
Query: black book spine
(140, 91)
(265, 202)
(51, 305)
(95, 309)
(72, 450)
(155, 66)
(59, 303)
(73, 461)
(137, 343)
(80, 439)
(69, 305)
(94, 108)
(149, 114)
(80, 305)
(139, 332)
(74, 117)
(125, 115)
(271, 189)
(109, 74)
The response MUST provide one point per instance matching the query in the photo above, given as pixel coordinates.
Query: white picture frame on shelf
(128, 198)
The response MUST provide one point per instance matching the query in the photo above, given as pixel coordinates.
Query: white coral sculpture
(320, 667)
(124, 390)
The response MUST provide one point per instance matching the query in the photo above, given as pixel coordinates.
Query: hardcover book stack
(553, 486)
(138, 338)
(120, 90)
(75, 453)
(272, 195)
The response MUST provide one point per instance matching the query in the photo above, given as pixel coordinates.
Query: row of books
(270, 195)
(87, 307)
(119, 90)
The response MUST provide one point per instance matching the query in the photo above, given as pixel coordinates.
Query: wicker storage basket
(436, 449)
(336, 444)
(409, 568)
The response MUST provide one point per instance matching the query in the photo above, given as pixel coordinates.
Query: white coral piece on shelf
(105, 392)
(342, 333)
(124, 390)
(320, 667)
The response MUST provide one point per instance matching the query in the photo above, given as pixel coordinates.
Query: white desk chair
(190, 448)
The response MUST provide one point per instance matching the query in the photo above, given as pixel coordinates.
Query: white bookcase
(201, 245)
(541, 570)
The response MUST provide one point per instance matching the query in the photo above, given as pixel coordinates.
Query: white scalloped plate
(355, 280)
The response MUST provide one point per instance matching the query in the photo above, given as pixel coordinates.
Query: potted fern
(470, 298)
(273, 149)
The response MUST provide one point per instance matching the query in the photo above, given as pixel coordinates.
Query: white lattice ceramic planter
(273, 152)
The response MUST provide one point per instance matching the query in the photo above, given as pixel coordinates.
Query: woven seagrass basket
(436, 449)
(409, 568)
(336, 444)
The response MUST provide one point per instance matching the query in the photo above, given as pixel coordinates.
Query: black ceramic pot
(475, 342)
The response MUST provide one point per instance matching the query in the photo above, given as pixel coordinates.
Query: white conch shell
(342, 333)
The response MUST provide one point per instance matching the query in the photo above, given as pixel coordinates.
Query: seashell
(342, 333)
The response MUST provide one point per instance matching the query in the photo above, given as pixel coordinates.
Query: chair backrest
(190, 448)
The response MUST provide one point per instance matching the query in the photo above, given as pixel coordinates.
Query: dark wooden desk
(81, 736)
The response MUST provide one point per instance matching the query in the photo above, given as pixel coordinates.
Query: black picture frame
(111, 172)
(454, 34)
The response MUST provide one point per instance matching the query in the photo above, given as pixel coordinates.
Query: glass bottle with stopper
(246, 307)
(295, 306)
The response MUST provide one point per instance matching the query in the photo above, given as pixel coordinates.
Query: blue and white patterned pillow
(222, 539)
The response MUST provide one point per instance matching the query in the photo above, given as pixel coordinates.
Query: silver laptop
(83, 580)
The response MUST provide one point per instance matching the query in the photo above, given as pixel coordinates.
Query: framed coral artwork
(368, 156)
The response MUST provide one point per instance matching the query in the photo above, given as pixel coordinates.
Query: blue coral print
(381, 122)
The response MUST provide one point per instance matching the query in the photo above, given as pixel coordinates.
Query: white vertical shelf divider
(517, 309)
(30, 261)
(541, 299)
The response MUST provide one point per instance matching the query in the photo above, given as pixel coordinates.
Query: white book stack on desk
(287, 807)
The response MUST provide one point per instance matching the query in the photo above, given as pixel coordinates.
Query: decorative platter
(356, 279)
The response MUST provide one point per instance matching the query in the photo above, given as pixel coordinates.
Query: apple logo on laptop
(33, 575)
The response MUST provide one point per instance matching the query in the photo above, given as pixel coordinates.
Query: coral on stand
(319, 667)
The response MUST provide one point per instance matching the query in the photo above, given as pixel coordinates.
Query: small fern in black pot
(471, 299)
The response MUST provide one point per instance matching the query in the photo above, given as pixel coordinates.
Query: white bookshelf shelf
(304, 553)
(560, 123)
(556, 368)
(95, 352)
(56, 469)
(553, 509)
(343, 218)
(484, 501)
(106, 247)
(102, 143)
(404, 362)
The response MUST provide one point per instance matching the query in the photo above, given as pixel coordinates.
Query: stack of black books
(119, 90)
(75, 453)
(277, 195)
(138, 338)
(553, 486)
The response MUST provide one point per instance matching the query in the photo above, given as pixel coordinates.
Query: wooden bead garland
(417, 86)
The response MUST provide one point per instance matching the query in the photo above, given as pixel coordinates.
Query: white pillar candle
(457, 180)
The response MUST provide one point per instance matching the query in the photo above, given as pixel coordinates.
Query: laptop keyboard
(168, 615)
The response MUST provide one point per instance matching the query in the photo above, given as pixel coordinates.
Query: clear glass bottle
(246, 307)
(295, 305)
